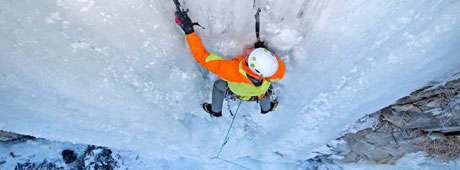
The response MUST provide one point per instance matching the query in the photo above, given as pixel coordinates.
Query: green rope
(227, 138)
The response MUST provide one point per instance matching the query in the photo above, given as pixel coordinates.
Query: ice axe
(183, 13)
(259, 43)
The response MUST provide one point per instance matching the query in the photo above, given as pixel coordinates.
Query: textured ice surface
(118, 73)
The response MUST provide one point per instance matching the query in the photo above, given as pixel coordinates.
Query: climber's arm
(214, 63)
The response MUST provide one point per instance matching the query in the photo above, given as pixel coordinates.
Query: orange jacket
(230, 70)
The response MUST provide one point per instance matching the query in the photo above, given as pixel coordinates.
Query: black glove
(259, 44)
(184, 21)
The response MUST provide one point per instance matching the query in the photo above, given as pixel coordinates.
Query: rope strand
(227, 138)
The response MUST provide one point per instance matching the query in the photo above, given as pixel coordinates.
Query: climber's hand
(259, 44)
(184, 21)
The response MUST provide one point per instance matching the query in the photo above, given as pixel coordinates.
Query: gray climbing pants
(218, 95)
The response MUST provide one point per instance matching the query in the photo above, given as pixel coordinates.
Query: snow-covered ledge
(9, 136)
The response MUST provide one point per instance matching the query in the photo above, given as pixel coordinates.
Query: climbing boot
(273, 106)
(207, 108)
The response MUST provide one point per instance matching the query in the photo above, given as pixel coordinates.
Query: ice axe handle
(257, 16)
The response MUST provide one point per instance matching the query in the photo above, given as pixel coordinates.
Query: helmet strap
(255, 81)
(249, 72)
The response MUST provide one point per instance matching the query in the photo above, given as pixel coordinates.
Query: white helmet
(262, 62)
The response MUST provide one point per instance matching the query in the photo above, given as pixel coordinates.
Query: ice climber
(247, 76)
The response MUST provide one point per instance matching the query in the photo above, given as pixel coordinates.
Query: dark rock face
(386, 144)
(69, 156)
(427, 120)
(87, 157)
(13, 137)
(43, 165)
(98, 158)
(93, 157)
(433, 107)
